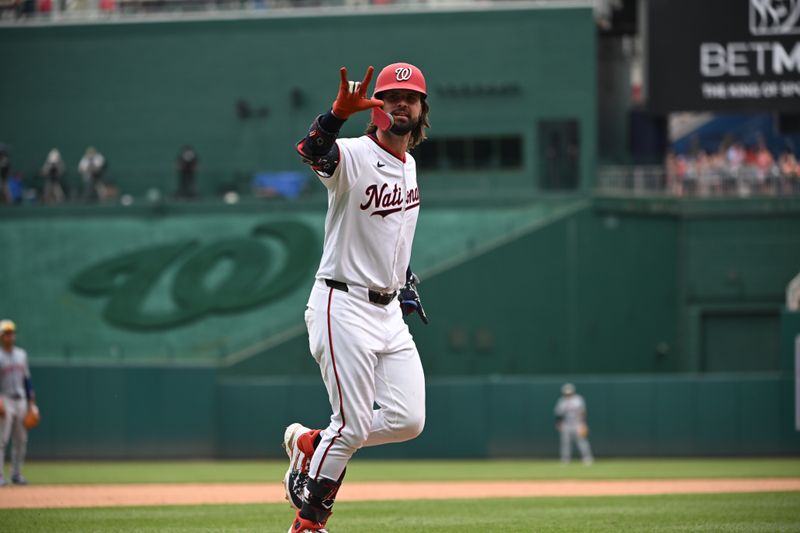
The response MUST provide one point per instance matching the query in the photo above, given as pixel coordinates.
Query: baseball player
(16, 396)
(571, 424)
(364, 286)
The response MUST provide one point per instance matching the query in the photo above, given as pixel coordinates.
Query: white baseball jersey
(571, 408)
(373, 202)
(13, 371)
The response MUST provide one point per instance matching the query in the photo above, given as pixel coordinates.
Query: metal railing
(655, 180)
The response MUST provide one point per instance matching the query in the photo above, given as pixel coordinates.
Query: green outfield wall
(101, 412)
(104, 413)
(243, 91)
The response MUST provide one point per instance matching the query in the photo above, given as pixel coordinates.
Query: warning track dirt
(52, 496)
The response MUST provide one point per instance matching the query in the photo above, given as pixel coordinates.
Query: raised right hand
(352, 95)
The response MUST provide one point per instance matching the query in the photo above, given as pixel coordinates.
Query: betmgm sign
(723, 55)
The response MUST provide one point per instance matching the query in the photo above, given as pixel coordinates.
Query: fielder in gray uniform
(570, 414)
(17, 396)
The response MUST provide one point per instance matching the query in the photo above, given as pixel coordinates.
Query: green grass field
(259, 471)
(756, 513)
(734, 513)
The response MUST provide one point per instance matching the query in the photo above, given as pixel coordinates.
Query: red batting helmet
(400, 76)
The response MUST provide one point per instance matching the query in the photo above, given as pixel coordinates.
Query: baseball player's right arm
(318, 148)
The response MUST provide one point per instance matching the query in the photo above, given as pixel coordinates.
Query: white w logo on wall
(774, 17)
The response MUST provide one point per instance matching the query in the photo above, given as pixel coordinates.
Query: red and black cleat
(298, 442)
(301, 525)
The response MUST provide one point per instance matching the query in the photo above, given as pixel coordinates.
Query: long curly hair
(418, 134)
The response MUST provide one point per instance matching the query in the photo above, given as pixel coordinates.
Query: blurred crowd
(733, 169)
(51, 186)
(43, 9)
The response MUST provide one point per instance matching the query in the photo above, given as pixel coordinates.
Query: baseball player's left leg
(6, 433)
(586, 450)
(399, 391)
(399, 385)
(344, 335)
(566, 443)
(345, 338)
(19, 445)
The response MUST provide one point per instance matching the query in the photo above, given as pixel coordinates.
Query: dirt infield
(46, 496)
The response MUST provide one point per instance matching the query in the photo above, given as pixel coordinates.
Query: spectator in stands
(92, 167)
(735, 156)
(764, 165)
(790, 172)
(15, 188)
(703, 173)
(571, 424)
(673, 179)
(689, 183)
(53, 174)
(733, 169)
(716, 171)
(5, 168)
(734, 162)
(187, 172)
(677, 169)
(26, 8)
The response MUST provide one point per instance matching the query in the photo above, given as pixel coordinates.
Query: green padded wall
(108, 412)
(101, 413)
(513, 416)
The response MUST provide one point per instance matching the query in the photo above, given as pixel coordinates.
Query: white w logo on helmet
(402, 73)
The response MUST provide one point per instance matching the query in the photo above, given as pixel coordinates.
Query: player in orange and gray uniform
(16, 393)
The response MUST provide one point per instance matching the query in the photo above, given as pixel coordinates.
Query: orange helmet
(400, 76)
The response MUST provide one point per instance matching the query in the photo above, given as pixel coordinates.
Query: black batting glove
(409, 298)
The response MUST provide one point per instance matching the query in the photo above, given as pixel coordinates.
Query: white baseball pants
(569, 434)
(372, 371)
(11, 428)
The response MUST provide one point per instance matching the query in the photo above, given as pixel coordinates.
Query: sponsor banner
(723, 55)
